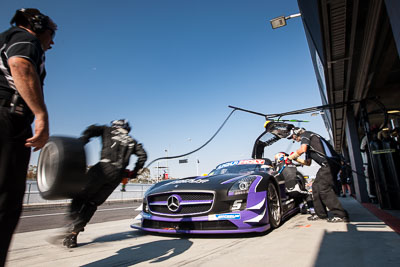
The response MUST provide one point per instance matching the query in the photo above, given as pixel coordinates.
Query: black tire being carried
(61, 168)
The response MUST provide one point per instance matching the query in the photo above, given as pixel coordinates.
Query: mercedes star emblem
(173, 202)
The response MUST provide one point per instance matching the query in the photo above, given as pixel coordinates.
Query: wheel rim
(48, 164)
(274, 203)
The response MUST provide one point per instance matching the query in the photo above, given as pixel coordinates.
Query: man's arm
(306, 162)
(363, 145)
(142, 157)
(91, 131)
(303, 149)
(295, 156)
(28, 85)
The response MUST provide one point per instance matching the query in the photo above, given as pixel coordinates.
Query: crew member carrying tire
(294, 182)
(318, 149)
(105, 176)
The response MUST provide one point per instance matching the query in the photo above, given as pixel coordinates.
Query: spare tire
(61, 168)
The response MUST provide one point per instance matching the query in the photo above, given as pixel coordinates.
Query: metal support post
(353, 143)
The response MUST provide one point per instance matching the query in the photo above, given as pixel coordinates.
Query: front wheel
(274, 205)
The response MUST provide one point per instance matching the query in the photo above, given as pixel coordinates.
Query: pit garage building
(355, 46)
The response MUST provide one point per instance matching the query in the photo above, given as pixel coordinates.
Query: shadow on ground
(156, 251)
(359, 247)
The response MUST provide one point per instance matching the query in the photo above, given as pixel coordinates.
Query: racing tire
(61, 168)
(301, 179)
(274, 205)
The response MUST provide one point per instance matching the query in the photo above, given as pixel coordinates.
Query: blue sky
(172, 67)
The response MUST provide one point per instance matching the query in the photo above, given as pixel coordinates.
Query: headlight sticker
(146, 215)
(245, 185)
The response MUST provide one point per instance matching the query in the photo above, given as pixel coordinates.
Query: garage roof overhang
(361, 58)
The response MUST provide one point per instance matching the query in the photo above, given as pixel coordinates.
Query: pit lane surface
(365, 241)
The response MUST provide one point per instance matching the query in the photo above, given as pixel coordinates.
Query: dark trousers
(323, 193)
(103, 179)
(14, 160)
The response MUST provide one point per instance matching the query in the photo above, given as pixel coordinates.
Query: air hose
(206, 143)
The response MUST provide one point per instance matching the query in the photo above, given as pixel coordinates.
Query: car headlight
(145, 208)
(241, 186)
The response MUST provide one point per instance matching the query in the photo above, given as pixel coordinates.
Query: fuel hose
(197, 149)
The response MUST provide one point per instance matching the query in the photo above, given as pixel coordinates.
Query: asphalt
(366, 241)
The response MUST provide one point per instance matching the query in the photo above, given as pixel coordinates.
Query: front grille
(191, 203)
(211, 225)
(184, 195)
(187, 209)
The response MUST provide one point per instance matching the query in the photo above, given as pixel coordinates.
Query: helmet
(295, 131)
(280, 157)
(122, 123)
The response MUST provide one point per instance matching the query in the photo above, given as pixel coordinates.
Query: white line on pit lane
(53, 214)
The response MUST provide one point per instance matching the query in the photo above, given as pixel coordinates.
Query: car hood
(215, 182)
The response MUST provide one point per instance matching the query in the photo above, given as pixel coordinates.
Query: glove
(84, 139)
(132, 174)
(293, 156)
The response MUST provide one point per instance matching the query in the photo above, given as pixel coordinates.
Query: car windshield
(240, 169)
(268, 137)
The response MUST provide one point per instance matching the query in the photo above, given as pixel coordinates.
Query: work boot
(315, 217)
(70, 240)
(338, 219)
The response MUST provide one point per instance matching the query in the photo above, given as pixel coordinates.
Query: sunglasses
(52, 33)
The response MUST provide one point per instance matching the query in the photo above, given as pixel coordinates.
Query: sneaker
(70, 240)
(315, 217)
(338, 219)
(343, 195)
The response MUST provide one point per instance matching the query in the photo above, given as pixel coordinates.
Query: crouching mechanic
(318, 149)
(294, 183)
(105, 176)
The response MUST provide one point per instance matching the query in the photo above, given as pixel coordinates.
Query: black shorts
(345, 180)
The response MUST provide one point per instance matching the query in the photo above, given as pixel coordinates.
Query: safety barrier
(133, 191)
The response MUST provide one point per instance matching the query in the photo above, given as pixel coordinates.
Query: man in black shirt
(318, 149)
(22, 72)
(105, 176)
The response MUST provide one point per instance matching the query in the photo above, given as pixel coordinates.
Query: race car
(236, 197)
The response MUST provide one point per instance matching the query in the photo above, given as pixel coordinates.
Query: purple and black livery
(236, 197)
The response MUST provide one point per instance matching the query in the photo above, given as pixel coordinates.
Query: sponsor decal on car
(189, 181)
(241, 162)
(227, 164)
(225, 216)
(252, 161)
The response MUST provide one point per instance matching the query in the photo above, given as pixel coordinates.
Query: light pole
(158, 171)
(197, 166)
(166, 161)
(281, 21)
